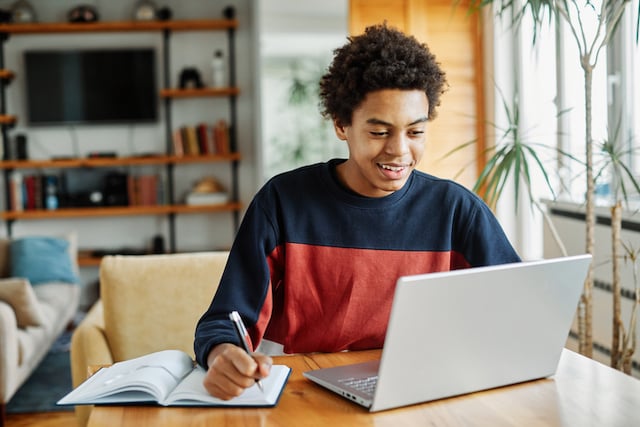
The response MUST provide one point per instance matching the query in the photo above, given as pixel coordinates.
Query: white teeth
(392, 168)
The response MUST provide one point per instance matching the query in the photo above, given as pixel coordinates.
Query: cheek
(359, 146)
(366, 151)
(418, 149)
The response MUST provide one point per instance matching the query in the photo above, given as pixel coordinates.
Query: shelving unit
(167, 160)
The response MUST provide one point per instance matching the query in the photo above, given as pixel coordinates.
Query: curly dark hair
(381, 58)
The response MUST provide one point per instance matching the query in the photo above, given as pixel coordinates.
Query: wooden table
(582, 393)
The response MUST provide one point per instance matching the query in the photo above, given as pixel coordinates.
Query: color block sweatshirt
(313, 266)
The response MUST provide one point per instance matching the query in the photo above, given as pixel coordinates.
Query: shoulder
(448, 195)
(445, 187)
(295, 183)
(298, 173)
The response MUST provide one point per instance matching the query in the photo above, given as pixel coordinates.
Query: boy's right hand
(232, 370)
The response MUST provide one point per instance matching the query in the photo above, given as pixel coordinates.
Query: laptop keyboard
(365, 385)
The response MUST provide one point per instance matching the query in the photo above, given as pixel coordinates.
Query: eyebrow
(375, 121)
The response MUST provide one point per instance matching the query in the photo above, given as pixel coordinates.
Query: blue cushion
(41, 260)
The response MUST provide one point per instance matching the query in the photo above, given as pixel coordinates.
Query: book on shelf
(205, 141)
(191, 137)
(178, 145)
(143, 190)
(168, 378)
(16, 192)
(221, 137)
(31, 192)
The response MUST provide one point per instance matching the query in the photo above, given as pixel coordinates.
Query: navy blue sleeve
(243, 286)
(484, 240)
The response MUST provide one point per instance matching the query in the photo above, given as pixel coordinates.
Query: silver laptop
(462, 331)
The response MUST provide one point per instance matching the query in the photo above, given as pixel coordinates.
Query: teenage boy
(316, 258)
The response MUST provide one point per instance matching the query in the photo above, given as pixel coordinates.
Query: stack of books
(33, 191)
(202, 139)
(144, 190)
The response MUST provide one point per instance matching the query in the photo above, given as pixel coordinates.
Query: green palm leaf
(511, 159)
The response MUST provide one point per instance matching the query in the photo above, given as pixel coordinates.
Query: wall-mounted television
(105, 86)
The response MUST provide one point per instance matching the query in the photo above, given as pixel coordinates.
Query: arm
(484, 241)
(245, 287)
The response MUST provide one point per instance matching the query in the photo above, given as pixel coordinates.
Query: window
(615, 101)
(549, 83)
(571, 99)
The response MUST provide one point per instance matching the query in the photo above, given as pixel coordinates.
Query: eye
(416, 132)
(379, 133)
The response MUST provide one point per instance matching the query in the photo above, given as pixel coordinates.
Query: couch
(147, 303)
(36, 304)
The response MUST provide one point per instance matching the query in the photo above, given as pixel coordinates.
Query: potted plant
(614, 152)
(514, 157)
(607, 14)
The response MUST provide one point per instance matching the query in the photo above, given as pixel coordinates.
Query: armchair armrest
(89, 347)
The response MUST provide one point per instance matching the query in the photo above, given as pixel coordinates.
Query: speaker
(21, 147)
(115, 189)
(83, 187)
(158, 244)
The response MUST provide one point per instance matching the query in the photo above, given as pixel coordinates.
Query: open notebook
(167, 378)
(462, 331)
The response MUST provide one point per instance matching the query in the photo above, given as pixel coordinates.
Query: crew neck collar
(351, 197)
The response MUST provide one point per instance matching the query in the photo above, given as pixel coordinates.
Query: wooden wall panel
(363, 13)
(454, 37)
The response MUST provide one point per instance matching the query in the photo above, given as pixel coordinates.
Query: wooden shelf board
(84, 162)
(205, 158)
(89, 261)
(117, 211)
(88, 212)
(118, 26)
(226, 207)
(196, 93)
(116, 161)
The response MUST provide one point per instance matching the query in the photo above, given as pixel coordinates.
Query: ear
(341, 130)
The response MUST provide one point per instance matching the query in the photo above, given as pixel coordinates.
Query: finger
(239, 368)
(244, 363)
(264, 365)
(233, 358)
(225, 385)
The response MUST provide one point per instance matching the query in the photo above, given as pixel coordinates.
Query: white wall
(300, 35)
(195, 232)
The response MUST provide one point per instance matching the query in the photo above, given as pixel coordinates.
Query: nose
(397, 144)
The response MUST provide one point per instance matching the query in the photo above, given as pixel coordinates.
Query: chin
(390, 188)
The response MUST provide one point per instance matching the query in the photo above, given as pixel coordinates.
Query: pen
(243, 335)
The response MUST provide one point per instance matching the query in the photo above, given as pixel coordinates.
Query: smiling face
(386, 140)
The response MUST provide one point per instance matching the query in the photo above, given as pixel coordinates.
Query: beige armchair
(148, 303)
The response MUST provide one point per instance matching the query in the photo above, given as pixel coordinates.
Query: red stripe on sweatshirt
(332, 299)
